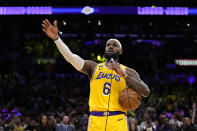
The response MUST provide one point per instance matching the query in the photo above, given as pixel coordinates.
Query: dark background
(49, 88)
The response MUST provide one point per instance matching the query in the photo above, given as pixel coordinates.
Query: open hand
(49, 29)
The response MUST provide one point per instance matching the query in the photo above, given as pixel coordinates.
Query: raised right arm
(84, 66)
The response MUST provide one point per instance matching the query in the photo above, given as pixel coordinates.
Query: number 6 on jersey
(106, 88)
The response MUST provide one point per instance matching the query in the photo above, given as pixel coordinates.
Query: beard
(115, 56)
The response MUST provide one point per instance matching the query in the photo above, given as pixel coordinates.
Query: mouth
(110, 51)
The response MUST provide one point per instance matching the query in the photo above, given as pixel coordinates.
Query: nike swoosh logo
(120, 119)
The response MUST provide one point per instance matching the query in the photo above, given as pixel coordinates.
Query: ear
(120, 51)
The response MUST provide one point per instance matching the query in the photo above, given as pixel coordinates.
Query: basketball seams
(129, 99)
(134, 100)
(124, 98)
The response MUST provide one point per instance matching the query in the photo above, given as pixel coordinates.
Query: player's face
(112, 50)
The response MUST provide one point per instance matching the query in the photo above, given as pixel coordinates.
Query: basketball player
(107, 80)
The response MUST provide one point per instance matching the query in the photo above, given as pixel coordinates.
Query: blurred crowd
(54, 96)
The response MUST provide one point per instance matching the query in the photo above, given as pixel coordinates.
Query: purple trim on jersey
(105, 113)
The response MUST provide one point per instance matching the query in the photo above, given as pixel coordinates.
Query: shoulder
(132, 73)
(89, 67)
(91, 63)
(59, 125)
(71, 127)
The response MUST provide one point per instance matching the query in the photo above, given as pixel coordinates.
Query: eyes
(112, 44)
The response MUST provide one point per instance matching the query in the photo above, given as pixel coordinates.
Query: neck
(107, 62)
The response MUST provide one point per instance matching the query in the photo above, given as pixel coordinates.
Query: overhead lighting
(99, 23)
(64, 22)
(89, 21)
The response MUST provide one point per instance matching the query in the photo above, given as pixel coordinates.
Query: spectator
(43, 125)
(33, 125)
(52, 123)
(3, 126)
(147, 124)
(65, 126)
(193, 113)
(166, 126)
(174, 121)
(84, 122)
(15, 124)
(133, 127)
(187, 125)
(26, 124)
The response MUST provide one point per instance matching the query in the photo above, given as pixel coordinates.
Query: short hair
(116, 41)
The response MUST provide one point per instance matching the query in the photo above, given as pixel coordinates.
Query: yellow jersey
(105, 87)
(18, 128)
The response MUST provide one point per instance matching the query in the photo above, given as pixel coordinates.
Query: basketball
(129, 99)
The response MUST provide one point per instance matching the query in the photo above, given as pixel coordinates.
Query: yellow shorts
(114, 123)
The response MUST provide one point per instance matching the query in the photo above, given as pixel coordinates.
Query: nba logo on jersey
(100, 67)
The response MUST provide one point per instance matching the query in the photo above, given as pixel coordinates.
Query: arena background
(35, 79)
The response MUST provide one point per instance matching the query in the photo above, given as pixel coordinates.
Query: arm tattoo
(138, 86)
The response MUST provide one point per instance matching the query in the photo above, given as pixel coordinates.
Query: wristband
(57, 37)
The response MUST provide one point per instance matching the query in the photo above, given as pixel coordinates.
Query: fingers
(46, 23)
(44, 26)
(55, 23)
(112, 66)
(44, 30)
